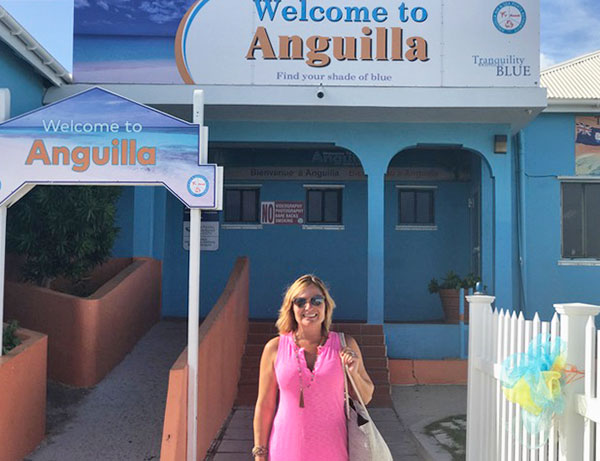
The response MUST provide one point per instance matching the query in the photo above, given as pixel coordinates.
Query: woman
(303, 364)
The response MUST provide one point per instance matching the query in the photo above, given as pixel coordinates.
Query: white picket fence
(494, 426)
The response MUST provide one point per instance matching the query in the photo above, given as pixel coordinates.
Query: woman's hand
(350, 358)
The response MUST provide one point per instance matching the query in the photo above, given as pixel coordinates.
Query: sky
(569, 28)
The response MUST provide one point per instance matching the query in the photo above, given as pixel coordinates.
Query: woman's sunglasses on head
(315, 301)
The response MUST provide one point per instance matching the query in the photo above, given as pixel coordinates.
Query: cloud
(81, 3)
(102, 4)
(569, 28)
(546, 61)
(162, 11)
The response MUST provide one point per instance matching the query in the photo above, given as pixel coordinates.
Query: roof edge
(572, 105)
(570, 62)
(15, 36)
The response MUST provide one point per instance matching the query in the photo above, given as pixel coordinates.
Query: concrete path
(420, 406)
(121, 418)
(237, 441)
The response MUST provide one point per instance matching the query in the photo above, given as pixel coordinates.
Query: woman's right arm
(267, 397)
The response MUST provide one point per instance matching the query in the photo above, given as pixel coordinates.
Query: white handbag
(365, 443)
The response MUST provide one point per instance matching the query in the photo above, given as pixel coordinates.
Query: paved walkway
(121, 418)
(402, 427)
(237, 440)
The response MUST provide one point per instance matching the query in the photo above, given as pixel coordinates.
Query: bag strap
(347, 377)
(346, 393)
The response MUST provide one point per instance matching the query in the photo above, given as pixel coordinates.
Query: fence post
(475, 406)
(573, 318)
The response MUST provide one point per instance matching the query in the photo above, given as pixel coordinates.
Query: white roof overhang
(31, 51)
(513, 106)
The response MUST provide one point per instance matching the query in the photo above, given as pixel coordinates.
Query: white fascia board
(512, 106)
(16, 37)
(577, 106)
(339, 96)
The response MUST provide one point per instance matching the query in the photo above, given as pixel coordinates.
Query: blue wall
(352, 260)
(414, 257)
(549, 152)
(25, 85)
(423, 341)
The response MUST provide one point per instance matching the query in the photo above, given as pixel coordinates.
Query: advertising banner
(97, 137)
(428, 43)
(587, 146)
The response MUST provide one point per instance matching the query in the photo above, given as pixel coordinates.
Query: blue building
(447, 156)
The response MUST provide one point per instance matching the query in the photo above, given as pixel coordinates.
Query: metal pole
(193, 327)
(3, 210)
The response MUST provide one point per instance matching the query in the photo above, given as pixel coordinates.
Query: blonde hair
(286, 322)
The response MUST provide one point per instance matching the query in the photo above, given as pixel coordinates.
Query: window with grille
(241, 205)
(580, 220)
(415, 207)
(324, 206)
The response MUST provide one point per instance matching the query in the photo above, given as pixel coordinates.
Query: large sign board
(98, 137)
(429, 43)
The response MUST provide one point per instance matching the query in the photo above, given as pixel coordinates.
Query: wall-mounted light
(500, 141)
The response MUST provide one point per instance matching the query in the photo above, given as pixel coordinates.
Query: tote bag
(365, 443)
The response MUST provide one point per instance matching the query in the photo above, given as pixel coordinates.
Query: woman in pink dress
(303, 366)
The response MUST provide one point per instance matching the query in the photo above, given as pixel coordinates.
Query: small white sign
(209, 236)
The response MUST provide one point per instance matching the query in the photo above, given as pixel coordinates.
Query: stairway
(370, 338)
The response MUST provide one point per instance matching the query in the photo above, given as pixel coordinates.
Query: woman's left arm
(352, 357)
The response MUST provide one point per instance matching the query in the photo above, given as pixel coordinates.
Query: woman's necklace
(312, 372)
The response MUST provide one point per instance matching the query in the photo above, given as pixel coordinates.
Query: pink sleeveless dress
(317, 431)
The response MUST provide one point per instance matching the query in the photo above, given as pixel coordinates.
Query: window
(415, 207)
(324, 205)
(242, 205)
(580, 220)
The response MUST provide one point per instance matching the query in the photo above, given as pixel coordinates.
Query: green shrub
(453, 281)
(9, 338)
(63, 231)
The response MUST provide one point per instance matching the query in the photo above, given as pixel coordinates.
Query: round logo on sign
(198, 185)
(509, 17)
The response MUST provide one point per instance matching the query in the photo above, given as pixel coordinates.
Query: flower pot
(450, 303)
(23, 396)
(88, 337)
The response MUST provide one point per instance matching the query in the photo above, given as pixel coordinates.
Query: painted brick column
(375, 243)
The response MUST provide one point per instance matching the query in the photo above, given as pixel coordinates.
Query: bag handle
(348, 376)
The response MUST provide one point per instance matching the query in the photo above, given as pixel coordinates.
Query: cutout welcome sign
(98, 137)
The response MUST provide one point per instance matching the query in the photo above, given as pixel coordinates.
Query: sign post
(194, 295)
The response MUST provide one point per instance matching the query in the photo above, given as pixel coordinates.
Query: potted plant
(62, 282)
(449, 289)
(23, 395)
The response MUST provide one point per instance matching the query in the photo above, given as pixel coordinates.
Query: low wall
(23, 396)
(88, 337)
(412, 372)
(222, 340)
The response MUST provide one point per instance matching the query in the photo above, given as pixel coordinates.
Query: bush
(63, 231)
(453, 281)
(9, 338)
